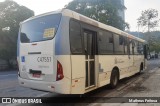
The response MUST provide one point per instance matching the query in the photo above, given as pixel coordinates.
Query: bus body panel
(77, 69)
(62, 47)
(58, 50)
(108, 62)
(138, 59)
(47, 86)
(78, 86)
(39, 57)
(104, 78)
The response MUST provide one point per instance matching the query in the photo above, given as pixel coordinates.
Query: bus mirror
(146, 51)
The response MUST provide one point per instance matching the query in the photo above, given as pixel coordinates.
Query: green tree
(154, 41)
(11, 14)
(105, 11)
(149, 19)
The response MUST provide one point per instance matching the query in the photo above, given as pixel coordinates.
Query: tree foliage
(105, 11)
(149, 19)
(153, 42)
(11, 14)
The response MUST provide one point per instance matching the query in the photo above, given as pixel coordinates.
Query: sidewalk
(149, 88)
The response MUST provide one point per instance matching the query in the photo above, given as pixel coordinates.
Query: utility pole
(138, 31)
(148, 25)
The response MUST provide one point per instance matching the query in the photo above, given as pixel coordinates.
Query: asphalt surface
(9, 86)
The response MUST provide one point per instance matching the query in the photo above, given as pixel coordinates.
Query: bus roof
(80, 17)
(85, 19)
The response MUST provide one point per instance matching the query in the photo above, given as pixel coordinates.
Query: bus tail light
(60, 75)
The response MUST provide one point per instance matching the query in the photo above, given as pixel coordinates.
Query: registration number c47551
(44, 59)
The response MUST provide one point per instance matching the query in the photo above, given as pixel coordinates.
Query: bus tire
(114, 78)
(141, 68)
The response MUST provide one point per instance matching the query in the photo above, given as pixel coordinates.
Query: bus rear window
(40, 29)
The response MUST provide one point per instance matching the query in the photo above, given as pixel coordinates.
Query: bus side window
(118, 44)
(110, 42)
(105, 42)
(140, 48)
(135, 47)
(131, 46)
(125, 45)
(102, 45)
(75, 37)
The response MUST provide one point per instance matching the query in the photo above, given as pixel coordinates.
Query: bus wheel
(114, 78)
(141, 68)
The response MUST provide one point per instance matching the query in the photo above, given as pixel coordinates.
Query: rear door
(83, 50)
(90, 51)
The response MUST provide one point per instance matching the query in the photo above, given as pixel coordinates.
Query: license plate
(36, 75)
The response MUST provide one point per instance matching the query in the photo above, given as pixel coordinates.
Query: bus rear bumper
(57, 86)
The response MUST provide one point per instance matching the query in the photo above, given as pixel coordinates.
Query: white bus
(68, 53)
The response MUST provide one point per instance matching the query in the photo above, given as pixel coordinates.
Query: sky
(132, 13)
(135, 8)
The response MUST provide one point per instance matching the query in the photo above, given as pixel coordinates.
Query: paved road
(153, 63)
(9, 86)
(145, 85)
